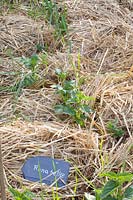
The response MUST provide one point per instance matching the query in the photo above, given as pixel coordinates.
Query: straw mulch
(22, 140)
(102, 31)
(101, 34)
(20, 35)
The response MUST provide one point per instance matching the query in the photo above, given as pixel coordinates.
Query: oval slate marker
(46, 170)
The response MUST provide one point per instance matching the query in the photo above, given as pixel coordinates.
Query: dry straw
(20, 35)
(101, 32)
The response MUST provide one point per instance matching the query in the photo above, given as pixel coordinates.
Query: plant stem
(2, 184)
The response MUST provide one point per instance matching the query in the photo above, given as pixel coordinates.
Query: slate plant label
(46, 170)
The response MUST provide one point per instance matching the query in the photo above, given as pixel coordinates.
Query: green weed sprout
(56, 17)
(24, 78)
(29, 77)
(73, 100)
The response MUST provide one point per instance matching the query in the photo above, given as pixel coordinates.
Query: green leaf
(111, 175)
(128, 194)
(83, 97)
(30, 62)
(63, 109)
(34, 60)
(89, 98)
(112, 127)
(60, 74)
(85, 108)
(25, 61)
(26, 195)
(57, 87)
(69, 111)
(80, 121)
(110, 198)
(59, 109)
(97, 193)
(58, 71)
(40, 48)
(14, 192)
(28, 80)
(121, 177)
(71, 100)
(69, 85)
(109, 187)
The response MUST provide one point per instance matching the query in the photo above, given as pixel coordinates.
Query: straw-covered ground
(100, 39)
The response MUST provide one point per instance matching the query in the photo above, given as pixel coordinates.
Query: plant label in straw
(46, 170)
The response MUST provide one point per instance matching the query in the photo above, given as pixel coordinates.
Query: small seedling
(73, 100)
(24, 77)
(29, 76)
(114, 129)
(114, 188)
